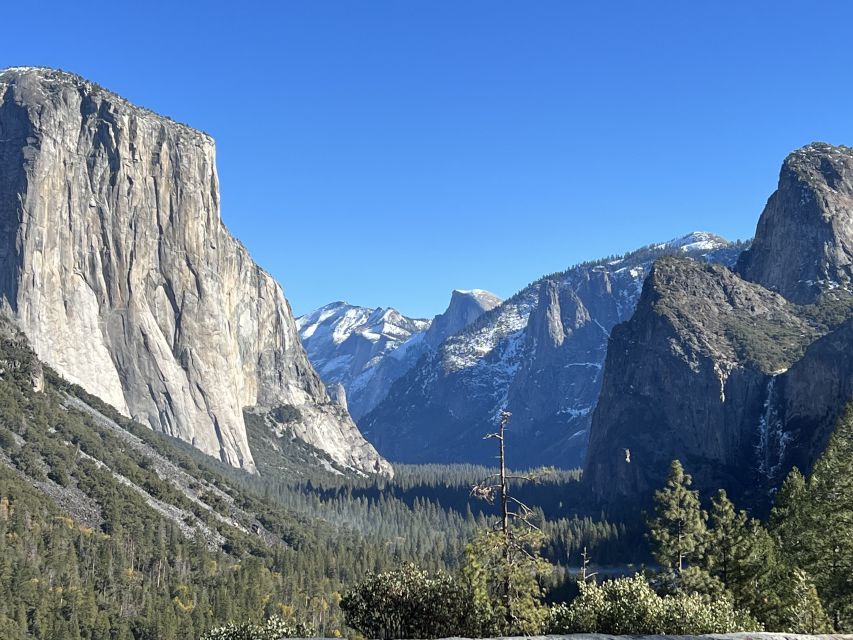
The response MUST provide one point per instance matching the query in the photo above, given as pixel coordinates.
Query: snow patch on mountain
(454, 395)
(366, 350)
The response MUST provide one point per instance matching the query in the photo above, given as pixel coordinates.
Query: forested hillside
(110, 530)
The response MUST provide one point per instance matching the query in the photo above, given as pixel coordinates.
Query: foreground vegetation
(720, 571)
(226, 555)
(98, 539)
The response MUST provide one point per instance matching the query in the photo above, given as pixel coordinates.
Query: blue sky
(386, 152)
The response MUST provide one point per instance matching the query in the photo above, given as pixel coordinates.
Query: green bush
(273, 629)
(408, 603)
(630, 606)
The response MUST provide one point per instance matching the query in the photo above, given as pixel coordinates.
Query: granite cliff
(539, 353)
(741, 374)
(116, 265)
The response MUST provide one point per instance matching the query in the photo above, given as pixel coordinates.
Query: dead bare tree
(518, 545)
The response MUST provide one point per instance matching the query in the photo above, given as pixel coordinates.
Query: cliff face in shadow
(739, 374)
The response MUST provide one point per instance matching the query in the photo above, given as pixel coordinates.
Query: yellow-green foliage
(630, 606)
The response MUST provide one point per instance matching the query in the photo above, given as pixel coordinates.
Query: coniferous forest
(164, 542)
(112, 531)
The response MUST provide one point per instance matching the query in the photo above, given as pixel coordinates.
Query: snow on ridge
(470, 348)
(697, 241)
(475, 292)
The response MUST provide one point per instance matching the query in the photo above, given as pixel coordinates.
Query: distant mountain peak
(476, 293)
(698, 241)
(366, 349)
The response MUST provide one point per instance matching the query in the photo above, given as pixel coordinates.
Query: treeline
(720, 571)
(96, 542)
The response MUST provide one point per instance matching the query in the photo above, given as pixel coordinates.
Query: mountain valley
(183, 457)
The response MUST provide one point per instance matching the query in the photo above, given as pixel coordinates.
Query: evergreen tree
(813, 520)
(677, 531)
(507, 593)
(802, 611)
(743, 556)
(503, 566)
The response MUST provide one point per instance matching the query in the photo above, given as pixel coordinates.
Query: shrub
(286, 413)
(408, 603)
(273, 629)
(630, 606)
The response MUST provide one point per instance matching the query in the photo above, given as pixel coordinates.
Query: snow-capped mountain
(365, 350)
(539, 353)
(344, 341)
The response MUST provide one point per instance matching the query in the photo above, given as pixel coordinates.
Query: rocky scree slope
(82, 455)
(741, 374)
(365, 350)
(539, 353)
(116, 265)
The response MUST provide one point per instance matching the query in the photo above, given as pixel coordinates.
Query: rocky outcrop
(740, 379)
(465, 307)
(539, 354)
(367, 350)
(687, 377)
(116, 265)
(338, 394)
(804, 241)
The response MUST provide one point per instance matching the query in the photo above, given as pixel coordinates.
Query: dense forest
(110, 530)
(717, 570)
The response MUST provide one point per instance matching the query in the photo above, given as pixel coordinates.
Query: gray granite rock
(739, 374)
(539, 353)
(681, 381)
(116, 265)
(804, 240)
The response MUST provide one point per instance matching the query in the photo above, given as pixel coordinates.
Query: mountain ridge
(736, 372)
(334, 337)
(439, 411)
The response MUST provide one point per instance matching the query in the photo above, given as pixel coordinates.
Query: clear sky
(386, 152)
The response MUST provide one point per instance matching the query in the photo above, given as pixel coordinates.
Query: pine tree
(503, 566)
(678, 530)
(741, 553)
(725, 539)
(813, 520)
(803, 611)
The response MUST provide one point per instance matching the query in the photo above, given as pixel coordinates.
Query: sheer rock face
(809, 399)
(116, 265)
(740, 379)
(465, 307)
(804, 240)
(677, 383)
(539, 354)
